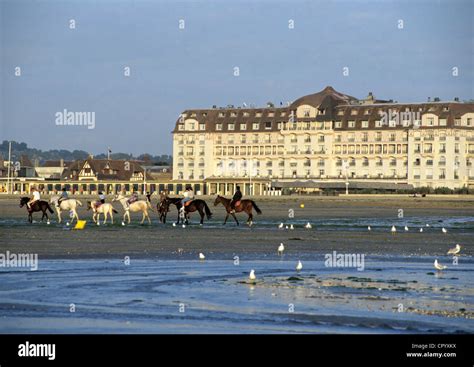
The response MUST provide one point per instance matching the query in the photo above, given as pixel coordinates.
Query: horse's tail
(77, 201)
(207, 210)
(49, 208)
(257, 209)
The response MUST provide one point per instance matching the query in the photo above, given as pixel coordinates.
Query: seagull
(308, 225)
(299, 266)
(281, 225)
(421, 229)
(252, 276)
(291, 226)
(368, 228)
(286, 227)
(427, 225)
(438, 266)
(123, 223)
(406, 228)
(201, 256)
(455, 250)
(393, 230)
(444, 230)
(174, 224)
(184, 225)
(281, 248)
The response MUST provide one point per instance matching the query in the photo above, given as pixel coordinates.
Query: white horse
(137, 206)
(66, 205)
(106, 209)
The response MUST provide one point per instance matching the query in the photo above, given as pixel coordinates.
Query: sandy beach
(165, 288)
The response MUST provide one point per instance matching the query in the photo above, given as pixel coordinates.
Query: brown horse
(242, 206)
(195, 205)
(37, 206)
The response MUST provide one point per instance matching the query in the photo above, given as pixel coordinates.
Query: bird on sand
(281, 248)
(438, 266)
(369, 228)
(201, 256)
(444, 230)
(393, 230)
(308, 225)
(406, 228)
(455, 250)
(299, 266)
(174, 224)
(291, 226)
(421, 230)
(281, 225)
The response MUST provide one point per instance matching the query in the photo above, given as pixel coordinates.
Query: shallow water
(147, 295)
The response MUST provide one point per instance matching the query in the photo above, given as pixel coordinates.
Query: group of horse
(70, 205)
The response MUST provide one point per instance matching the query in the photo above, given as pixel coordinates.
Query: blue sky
(173, 69)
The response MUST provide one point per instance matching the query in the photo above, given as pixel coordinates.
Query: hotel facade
(326, 140)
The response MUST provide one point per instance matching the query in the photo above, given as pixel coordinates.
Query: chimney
(456, 99)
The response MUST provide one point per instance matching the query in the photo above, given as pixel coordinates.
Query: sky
(401, 50)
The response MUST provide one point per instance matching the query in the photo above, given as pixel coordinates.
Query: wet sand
(89, 269)
(339, 223)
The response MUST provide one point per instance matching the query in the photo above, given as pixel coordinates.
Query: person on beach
(188, 196)
(101, 199)
(132, 199)
(36, 197)
(64, 196)
(237, 197)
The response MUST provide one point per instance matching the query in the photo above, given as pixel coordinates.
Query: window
(306, 112)
(268, 125)
(202, 127)
(340, 112)
(378, 123)
(351, 124)
(218, 127)
(246, 114)
(243, 138)
(221, 114)
(353, 112)
(243, 126)
(442, 122)
(231, 126)
(233, 114)
(255, 126)
(338, 124)
(365, 124)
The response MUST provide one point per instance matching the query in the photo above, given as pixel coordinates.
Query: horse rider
(36, 197)
(64, 196)
(237, 197)
(101, 199)
(148, 196)
(188, 196)
(132, 199)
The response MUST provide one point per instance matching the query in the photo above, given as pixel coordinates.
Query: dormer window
(353, 112)
(258, 114)
(233, 114)
(221, 114)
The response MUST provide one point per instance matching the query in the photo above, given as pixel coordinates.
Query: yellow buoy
(302, 206)
(80, 224)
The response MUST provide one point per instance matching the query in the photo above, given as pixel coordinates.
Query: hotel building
(326, 140)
